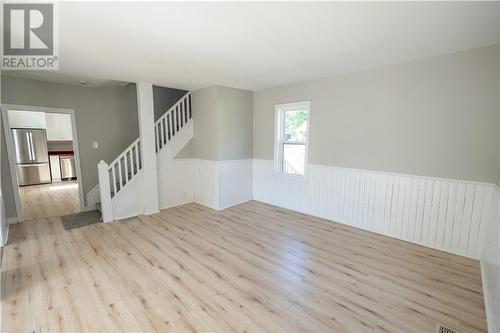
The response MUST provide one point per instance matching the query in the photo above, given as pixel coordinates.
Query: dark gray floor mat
(81, 219)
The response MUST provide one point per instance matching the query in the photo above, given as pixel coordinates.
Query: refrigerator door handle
(33, 156)
(29, 146)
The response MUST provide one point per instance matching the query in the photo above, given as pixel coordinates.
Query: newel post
(105, 191)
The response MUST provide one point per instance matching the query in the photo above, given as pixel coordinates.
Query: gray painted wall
(223, 119)
(432, 117)
(164, 98)
(235, 124)
(104, 114)
(205, 106)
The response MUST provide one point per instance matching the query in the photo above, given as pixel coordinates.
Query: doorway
(44, 161)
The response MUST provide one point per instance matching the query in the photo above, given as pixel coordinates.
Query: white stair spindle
(115, 188)
(156, 138)
(184, 107)
(158, 133)
(174, 118)
(139, 154)
(133, 159)
(169, 125)
(183, 116)
(120, 177)
(125, 159)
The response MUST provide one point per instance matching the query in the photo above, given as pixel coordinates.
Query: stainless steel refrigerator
(32, 157)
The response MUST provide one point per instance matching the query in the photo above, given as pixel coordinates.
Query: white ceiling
(257, 45)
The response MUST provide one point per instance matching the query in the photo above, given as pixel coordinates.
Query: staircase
(125, 167)
(120, 179)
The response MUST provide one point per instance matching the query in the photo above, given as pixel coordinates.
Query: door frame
(9, 141)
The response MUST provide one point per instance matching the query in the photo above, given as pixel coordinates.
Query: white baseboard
(207, 205)
(234, 204)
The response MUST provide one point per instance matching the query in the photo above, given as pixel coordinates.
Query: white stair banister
(172, 121)
(114, 177)
(105, 191)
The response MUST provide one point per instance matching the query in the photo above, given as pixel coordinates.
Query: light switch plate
(95, 145)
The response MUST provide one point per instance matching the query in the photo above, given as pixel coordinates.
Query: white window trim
(278, 161)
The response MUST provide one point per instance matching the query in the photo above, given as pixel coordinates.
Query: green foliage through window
(295, 125)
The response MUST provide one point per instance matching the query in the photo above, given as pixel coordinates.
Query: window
(292, 125)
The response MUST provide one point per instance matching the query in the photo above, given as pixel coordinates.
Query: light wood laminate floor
(55, 199)
(252, 267)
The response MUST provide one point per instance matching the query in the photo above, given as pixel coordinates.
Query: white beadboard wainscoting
(129, 202)
(175, 182)
(235, 182)
(215, 184)
(490, 268)
(449, 215)
(222, 184)
(206, 188)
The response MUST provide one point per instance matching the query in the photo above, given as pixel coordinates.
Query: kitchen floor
(48, 200)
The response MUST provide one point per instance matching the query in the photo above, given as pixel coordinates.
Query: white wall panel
(129, 202)
(215, 184)
(490, 267)
(449, 215)
(175, 181)
(206, 186)
(235, 182)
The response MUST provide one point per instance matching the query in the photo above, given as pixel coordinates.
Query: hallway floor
(56, 199)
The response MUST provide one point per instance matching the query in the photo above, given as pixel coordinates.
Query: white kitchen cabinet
(26, 119)
(55, 168)
(58, 127)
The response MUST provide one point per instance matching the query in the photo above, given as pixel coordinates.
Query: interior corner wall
(107, 115)
(234, 124)
(222, 146)
(205, 113)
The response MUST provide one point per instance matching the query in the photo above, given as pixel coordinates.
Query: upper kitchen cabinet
(26, 119)
(58, 127)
